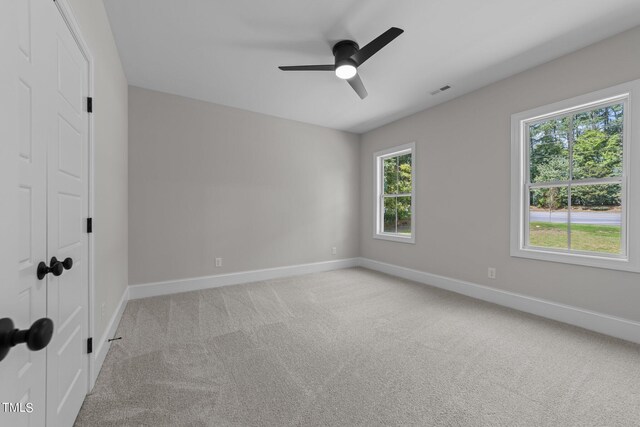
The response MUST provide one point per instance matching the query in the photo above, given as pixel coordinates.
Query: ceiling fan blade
(378, 43)
(308, 68)
(356, 83)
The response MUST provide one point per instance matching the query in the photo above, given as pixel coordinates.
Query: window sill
(395, 238)
(611, 263)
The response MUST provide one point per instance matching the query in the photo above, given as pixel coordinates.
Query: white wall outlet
(218, 262)
(334, 251)
(491, 273)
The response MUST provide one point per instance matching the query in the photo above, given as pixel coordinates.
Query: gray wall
(463, 187)
(209, 181)
(110, 133)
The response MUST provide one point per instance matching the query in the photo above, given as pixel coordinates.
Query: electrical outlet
(491, 273)
(334, 251)
(218, 262)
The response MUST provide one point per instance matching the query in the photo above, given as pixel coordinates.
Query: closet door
(67, 178)
(43, 207)
(26, 102)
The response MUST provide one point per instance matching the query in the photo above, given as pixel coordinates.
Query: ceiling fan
(348, 57)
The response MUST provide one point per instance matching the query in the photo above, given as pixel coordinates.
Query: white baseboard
(609, 325)
(197, 283)
(102, 346)
(598, 322)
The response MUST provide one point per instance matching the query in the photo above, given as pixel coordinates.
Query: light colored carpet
(355, 347)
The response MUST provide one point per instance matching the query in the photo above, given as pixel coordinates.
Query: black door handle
(67, 263)
(37, 336)
(56, 268)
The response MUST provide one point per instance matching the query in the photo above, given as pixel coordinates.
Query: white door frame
(65, 10)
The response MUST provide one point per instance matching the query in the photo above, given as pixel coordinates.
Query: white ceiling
(227, 51)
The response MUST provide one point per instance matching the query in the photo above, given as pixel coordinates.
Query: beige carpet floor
(356, 348)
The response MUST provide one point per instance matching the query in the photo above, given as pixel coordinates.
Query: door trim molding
(67, 14)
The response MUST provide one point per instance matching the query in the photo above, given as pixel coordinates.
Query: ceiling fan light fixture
(348, 57)
(346, 71)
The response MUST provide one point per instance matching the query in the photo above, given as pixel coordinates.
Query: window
(574, 196)
(395, 194)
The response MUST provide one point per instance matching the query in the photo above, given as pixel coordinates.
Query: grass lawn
(584, 237)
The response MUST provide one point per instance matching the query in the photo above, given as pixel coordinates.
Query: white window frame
(627, 93)
(378, 205)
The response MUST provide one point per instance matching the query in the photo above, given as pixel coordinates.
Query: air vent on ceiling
(442, 89)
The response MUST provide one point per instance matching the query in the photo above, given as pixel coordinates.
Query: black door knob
(36, 337)
(67, 263)
(56, 268)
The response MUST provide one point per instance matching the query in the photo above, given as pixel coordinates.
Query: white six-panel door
(26, 296)
(67, 295)
(43, 206)
(11, 390)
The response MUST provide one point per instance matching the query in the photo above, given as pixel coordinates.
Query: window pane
(404, 174)
(549, 150)
(389, 224)
(391, 175)
(597, 150)
(403, 204)
(596, 218)
(548, 218)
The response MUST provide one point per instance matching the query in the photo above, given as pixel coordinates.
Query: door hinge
(89, 225)
(89, 345)
(89, 104)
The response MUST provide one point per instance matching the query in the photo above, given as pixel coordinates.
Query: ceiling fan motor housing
(343, 50)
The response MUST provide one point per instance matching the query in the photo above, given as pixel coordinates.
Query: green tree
(548, 140)
(595, 138)
(397, 181)
(556, 169)
(597, 155)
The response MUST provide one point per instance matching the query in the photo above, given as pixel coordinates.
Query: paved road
(599, 218)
